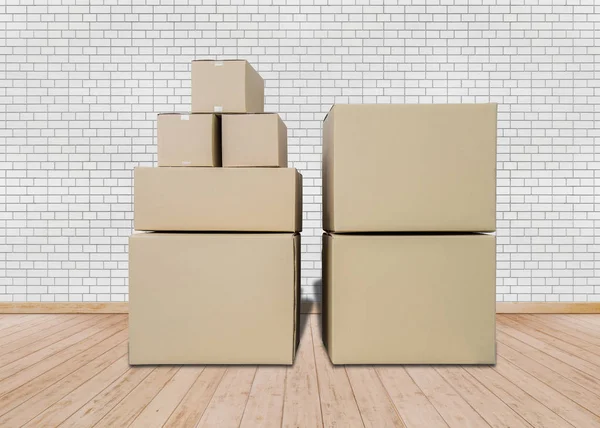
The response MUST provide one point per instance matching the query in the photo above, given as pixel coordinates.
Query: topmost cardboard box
(410, 168)
(231, 86)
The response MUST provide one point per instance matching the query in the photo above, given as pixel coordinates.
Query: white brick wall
(80, 86)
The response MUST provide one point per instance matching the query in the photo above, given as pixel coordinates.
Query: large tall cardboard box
(217, 199)
(409, 299)
(230, 86)
(202, 298)
(403, 168)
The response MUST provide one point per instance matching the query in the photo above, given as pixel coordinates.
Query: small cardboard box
(409, 299)
(188, 140)
(254, 140)
(218, 199)
(410, 168)
(202, 298)
(230, 86)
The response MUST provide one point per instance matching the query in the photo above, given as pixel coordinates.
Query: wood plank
(575, 392)
(547, 307)
(567, 331)
(451, 406)
(414, 407)
(53, 366)
(578, 320)
(29, 389)
(485, 403)
(580, 336)
(229, 400)
(194, 403)
(22, 359)
(101, 404)
(590, 319)
(590, 383)
(23, 338)
(373, 401)
(44, 399)
(338, 405)
(555, 329)
(160, 408)
(550, 345)
(64, 307)
(522, 403)
(554, 400)
(54, 332)
(24, 327)
(10, 320)
(132, 405)
(301, 405)
(576, 328)
(265, 403)
(74, 400)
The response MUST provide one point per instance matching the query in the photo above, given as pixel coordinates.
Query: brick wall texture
(81, 83)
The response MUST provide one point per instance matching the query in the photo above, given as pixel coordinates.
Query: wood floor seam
(475, 379)
(554, 389)
(596, 393)
(211, 398)
(309, 321)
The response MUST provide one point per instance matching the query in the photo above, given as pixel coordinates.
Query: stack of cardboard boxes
(408, 275)
(217, 279)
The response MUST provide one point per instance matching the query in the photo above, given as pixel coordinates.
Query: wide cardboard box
(188, 140)
(218, 199)
(409, 299)
(230, 86)
(254, 140)
(405, 168)
(202, 298)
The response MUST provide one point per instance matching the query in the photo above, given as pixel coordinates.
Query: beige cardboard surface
(201, 298)
(409, 299)
(410, 168)
(188, 140)
(254, 140)
(230, 86)
(218, 199)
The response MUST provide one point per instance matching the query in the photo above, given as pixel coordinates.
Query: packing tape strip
(185, 163)
(218, 63)
(218, 109)
(185, 117)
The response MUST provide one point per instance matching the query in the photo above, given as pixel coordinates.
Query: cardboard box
(218, 199)
(409, 299)
(201, 298)
(231, 86)
(405, 168)
(254, 140)
(188, 140)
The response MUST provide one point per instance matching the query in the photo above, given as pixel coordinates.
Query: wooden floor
(72, 371)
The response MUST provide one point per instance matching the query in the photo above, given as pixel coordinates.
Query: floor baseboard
(548, 307)
(306, 307)
(64, 308)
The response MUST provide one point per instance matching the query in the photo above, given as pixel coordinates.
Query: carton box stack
(216, 281)
(409, 275)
